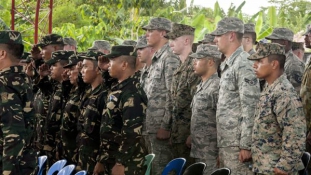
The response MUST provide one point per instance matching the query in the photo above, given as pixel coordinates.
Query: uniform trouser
(162, 151)
(181, 150)
(211, 165)
(229, 158)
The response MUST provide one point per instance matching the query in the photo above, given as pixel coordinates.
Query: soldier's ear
(275, 64)
(3, 54)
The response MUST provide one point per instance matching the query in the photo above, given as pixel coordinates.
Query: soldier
(208, 39)
(293, 66)
(278, 140)
(129, 43)
(298, 50)
(307, 39)
(122, 120)
(70, 44)
(238, 94)
(59, 97)
(158, 86)
(102, 46)
(249, 38)
(203, 120)
(92, 105)
(183, 87)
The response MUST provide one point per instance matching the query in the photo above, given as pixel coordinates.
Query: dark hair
(131, 60)
(15, 50)
(239, 36)
(280, 58)
(63, 62)
(253, 36)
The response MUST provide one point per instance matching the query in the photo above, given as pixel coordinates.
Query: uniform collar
(12, 69)
(229, 61)
(279, 80)
(158, 53)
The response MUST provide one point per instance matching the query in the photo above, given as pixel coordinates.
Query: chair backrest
(67, 170)
(195, 169)
(305, 160)
(222, 171)
(148, 160)
(41, 164)
(57, 166)
(174, 165)
(81, 173)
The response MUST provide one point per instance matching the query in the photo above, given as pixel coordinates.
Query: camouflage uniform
(100, 45)
(250, 28)
(293, 66)
(158, 85)
(129, 43)
(184, 84)
(203, 119)
(208, 39)
(17, 116)
(238, 94)
(55, 114)
(278, 139)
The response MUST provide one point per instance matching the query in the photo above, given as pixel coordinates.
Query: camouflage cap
(266, 49)
(10, 37)
(58, 56)
(26, 57)
(141, 42)
(92, 55)
(70, 41)
(158, 23)
(229, 24)
(308, 30)
(281, 34)
(297, 45)
(129, 43)
(179, 30)
(50, 39)
(120, 50)
(208, 38)
(100, 44)
(206, 50)
(74, 59)
(249, 28)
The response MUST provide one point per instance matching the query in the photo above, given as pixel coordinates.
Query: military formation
(228, 101)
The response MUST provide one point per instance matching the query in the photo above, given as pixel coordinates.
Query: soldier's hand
(44, 70)
(79, 66)
(35, 52)
(279, 172)
(29, 70)
(99, 168)
(188, 142)
(65, 76)
(118, 169)
(309, 138)
(103, 63)
(245, 155)
(163, 134)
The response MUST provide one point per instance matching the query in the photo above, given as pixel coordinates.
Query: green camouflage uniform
(203, 119)
(17, 116)
(158, 85)
(239, 91)
(294, 67)
(183, 87)
(278, 139)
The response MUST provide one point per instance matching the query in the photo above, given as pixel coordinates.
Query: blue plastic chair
(174, 165)
(81, 173)
(148, 160)
(222, 171)
(57, 166)
(42, 164)
(67, 170)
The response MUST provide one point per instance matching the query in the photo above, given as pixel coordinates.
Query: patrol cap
(100, 44)
(229, 24)
(92, 55)
(206, 50)
(120, 50)
(50, 39)
(70, 41)
(74, 59)
(266, 49)
(208, 38)
(10, 37)
(158, 23)
(297, 45)
(129, 43)
(179, 30)
(59, 55)
(308, 30)
(141, 42)
(249, 28)
(281, 34)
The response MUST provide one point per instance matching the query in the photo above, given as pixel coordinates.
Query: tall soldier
(238, 94)
(184, 84)
(249, 38)
(293, 66)
(17, 113)
(158, 86)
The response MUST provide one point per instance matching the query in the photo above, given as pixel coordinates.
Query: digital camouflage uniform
(183, 87)
(88, 139)
(279, 128)
(294, 67)
(238, 94)
(17, 116)
(70, 41)
(129, 43)
(57, 102)
(158, 85)
(99, 45)
(203, 119)
(208, 39)
(250, 29)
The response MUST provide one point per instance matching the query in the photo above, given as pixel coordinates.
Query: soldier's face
(46, 52)
(144, 54)
(200, 66)
(308, 40)
(153, 37)
(73, 74)
(177, 45)
(262, 68)
(89, 71)
(56, 71)
(115, 67)
(222, 42)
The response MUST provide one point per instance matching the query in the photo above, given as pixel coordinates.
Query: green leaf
(264, 33)
(272, 16)
(259, 23)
